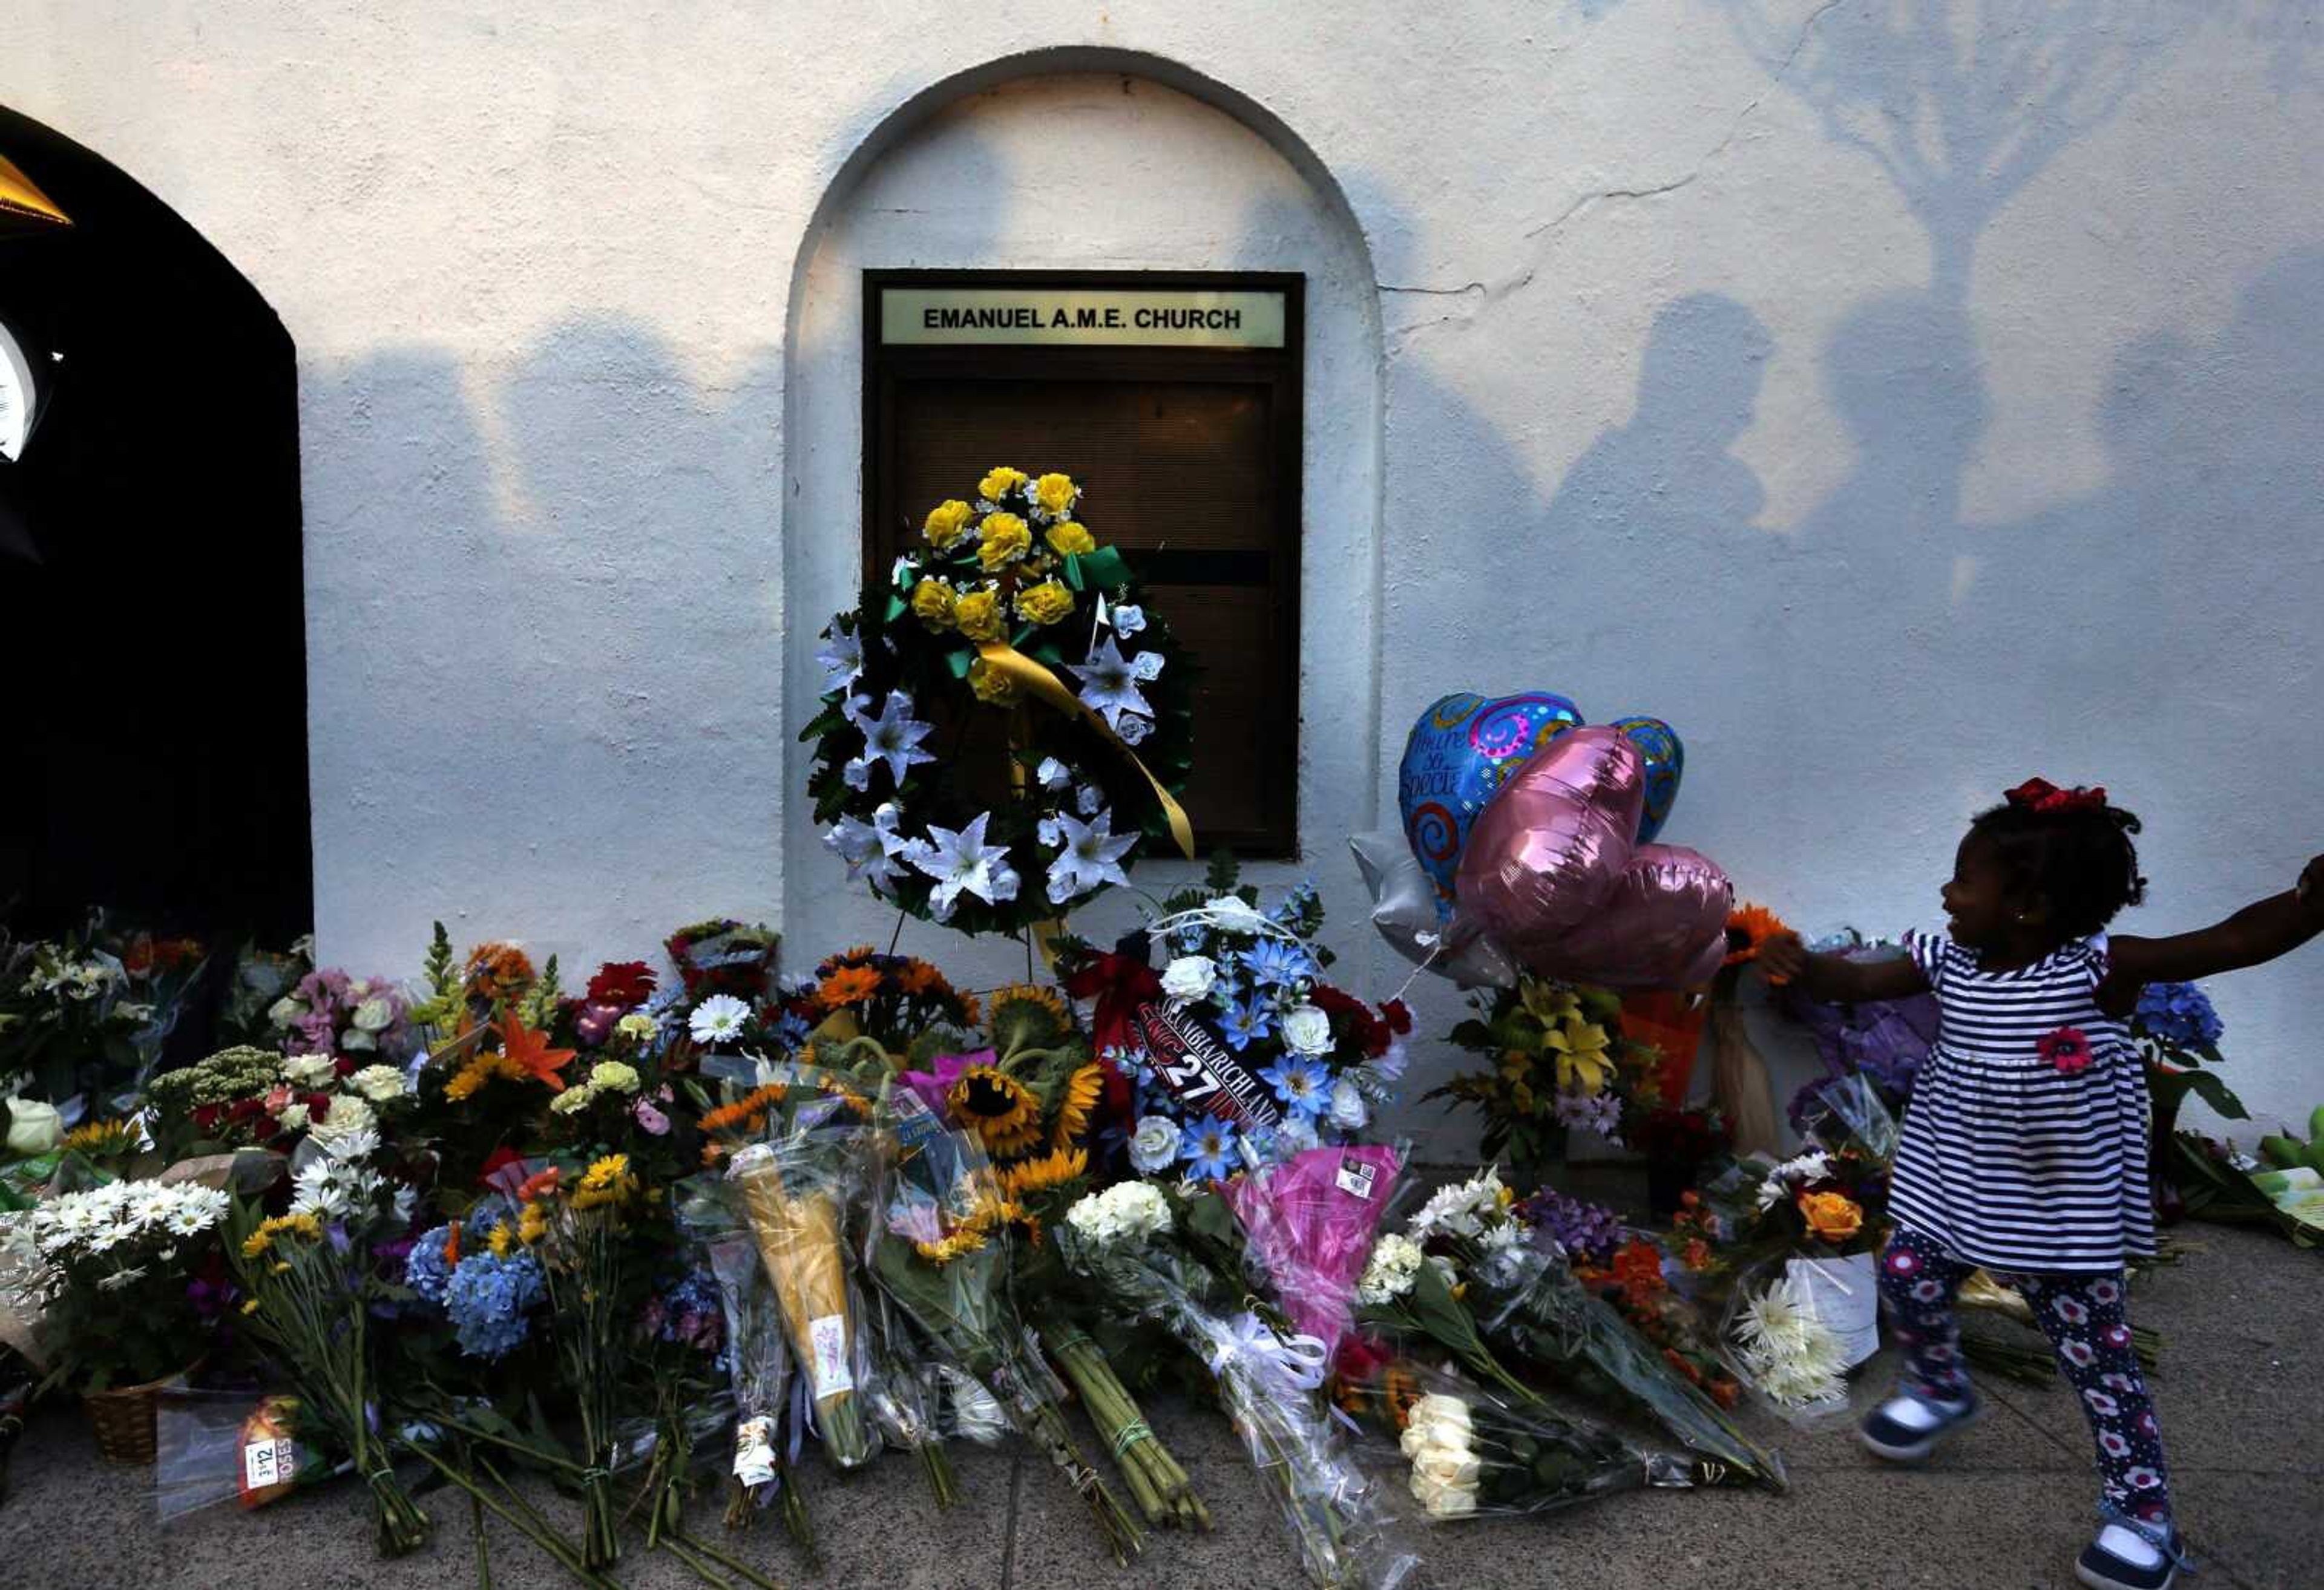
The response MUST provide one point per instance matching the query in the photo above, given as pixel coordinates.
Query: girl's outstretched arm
(1836, 978)
(2274, 926)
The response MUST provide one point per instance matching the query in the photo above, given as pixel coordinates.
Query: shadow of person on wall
(1669, 472)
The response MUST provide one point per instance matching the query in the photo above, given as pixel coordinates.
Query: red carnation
(343, 1066)
(625, 983)
(1400, 1017)
(241, 1109)
(319, 1107)
(206, 1116)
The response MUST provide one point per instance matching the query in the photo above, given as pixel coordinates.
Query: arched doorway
(151, 625)
(1075, 162)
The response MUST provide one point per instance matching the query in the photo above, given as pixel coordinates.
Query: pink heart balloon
(1545, 853)
(1663, 925)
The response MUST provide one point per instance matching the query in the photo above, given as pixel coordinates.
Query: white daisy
(121, 1278)
(718, 1019)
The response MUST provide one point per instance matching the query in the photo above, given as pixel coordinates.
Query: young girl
(2024, 1147)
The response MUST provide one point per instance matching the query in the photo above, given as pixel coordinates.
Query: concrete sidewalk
(2241, 1393)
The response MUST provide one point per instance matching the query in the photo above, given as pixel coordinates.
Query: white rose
(34, 1127)
(1308, 1030)
(1349, 1110)
(1234, 914)
(347, 1115)
(378, 1083)
(286, 1010)
(307, 1070)
(1437, 1406)
(1448, 1466)
(1190, 977)
(1154, 1146)
(374, 1014)
(1443, 1501)
(294, 1118)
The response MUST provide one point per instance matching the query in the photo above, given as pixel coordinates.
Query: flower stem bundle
(798, 1229)
(1157, 1481)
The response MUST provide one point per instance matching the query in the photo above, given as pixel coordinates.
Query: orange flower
(850, 985)
(1748, 926)
(530, 1049)
(452, 1247)
(497, 969)
(919, 976)
(537, 1183)
(1639, 1267)
(748, 1112)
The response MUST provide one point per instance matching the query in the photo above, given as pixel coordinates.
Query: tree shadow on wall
(537, 624)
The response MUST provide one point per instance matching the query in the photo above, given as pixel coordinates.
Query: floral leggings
(2085, 1320)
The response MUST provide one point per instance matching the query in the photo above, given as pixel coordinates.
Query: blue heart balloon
(1456, 760)
(1665, 758)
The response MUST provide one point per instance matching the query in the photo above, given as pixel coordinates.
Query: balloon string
(1434, 951)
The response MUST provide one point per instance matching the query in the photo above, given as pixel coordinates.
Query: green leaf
(2208, 1087)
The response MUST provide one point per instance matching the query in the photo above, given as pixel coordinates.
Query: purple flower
(934, 1084)
(1588, 1232)
(651, 1121)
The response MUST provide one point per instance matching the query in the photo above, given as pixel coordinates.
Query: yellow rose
(1055, 494)
(932, 604)
(945, 522)
(1833, 1217)
(1071, 539)
(1045, 604)
(1007, 538)
(992, 687)
(978, 614)
(993, 487)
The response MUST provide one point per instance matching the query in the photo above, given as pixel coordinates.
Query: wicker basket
(123, 1419)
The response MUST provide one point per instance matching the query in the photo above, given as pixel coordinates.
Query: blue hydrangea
(487, 1302)
(2179, 1013)
(424, 1270)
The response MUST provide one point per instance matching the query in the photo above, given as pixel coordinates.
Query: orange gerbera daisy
(849, 984)
(1748, 926)
(919, 976)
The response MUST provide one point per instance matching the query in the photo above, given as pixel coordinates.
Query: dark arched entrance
(152, 674)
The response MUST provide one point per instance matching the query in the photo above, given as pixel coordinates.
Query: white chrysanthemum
(1457, 1210)
(1790, 1352)
(1131, 1210)
(352, 1146)
(1389, 1274)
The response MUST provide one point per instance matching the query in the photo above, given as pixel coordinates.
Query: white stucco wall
(1890, 465)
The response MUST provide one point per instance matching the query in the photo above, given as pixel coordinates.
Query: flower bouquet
(939, 1248)
(71, 1023)
(1309, 1224)
(1471, 1454)
(331, 1013)
(310, 1294)
(1002, 726)
(1560, 1061)
(2177, 1033)
(245, 1098)
(1139, 1246)
(796, 1191)
(1626, 1269)
(1883, 1041)
(1468, 1272)
(1241, 1054)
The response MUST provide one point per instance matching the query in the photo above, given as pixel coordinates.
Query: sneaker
(2128, 1557)
(1909, 1425)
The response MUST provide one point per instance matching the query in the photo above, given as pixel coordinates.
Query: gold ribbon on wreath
(20, 196)
(1037, 681)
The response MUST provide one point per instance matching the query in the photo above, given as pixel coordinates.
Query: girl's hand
(1783, 958)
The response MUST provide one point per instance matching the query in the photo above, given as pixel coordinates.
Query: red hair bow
(2041, 795)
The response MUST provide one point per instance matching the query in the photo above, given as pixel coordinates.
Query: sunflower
(1001, 1110)
(1051, 1170)
(966, 1240)
(609, 1182)
(102, 1139)
(1748, 927)
(846, 985)
(1031, 994)
(1082, 1090)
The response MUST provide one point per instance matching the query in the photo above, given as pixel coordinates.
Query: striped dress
(2004, 1159)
